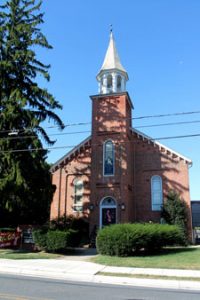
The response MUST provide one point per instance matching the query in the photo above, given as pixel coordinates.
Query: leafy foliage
(80, 224)
(127, 239)
(25, 184)
(55, 240)
(175, 211)
(58, 241)
(40, 237)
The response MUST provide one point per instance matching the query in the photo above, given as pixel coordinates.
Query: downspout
(134, 182)
(59, 195)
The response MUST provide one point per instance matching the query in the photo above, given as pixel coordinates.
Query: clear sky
(159, 45)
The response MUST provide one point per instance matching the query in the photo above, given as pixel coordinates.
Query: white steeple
(112, 76)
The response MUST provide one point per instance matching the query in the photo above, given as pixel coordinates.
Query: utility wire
(167, 115)
(73, 146)
(88, 123)
(168, 124)
(18, 137)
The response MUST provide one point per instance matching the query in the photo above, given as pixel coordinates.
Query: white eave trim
(67, 155)
(144, 136)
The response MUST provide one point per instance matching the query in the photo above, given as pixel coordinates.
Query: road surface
(29, 288)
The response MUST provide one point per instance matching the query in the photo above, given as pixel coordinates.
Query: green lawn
(23, 254)
(170, 258)
(147, 276)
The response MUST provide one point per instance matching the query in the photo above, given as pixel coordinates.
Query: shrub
(175, 211)
(7, 229)
(40, 237)
(58, 241)
(79, 224)
(127, 239)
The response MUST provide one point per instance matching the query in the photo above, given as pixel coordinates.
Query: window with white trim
(108, 165)
(156, 193)
(78, 195)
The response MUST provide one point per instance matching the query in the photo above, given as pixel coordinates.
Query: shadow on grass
(16, 251)
(165, 251)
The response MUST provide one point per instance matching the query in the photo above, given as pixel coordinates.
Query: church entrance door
(108, 211)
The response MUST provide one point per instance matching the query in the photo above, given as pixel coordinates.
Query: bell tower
(111, 163)
(112, 76)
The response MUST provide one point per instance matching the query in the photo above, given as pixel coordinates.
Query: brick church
(118, 174)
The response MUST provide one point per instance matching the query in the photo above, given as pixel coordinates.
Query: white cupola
(112, 76)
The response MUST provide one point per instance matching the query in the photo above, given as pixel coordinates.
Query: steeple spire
(112, 75)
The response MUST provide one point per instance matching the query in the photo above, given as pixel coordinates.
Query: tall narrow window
(109, 81)
(119, 83)
(108, 158)
(156, 193)
(78, 195)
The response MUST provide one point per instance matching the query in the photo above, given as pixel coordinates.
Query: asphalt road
(29, 288)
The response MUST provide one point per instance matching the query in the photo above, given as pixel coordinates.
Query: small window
(78, 195)
(156, 193)
(109, 81)
(119, 82)
(108, 201)
(108, 158)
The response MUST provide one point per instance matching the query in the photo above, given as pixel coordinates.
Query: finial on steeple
(111, 28)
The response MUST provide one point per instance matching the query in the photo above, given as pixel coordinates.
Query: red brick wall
(77, 166)
(110, 122)
(136, 161)
(149, 160)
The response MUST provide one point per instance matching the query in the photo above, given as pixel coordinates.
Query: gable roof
(63, 159)
(146, 137)
(87, 141)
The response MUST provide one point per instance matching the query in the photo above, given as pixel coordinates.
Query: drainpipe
(59, 195)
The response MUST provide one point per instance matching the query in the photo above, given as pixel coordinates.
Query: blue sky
(159, 45)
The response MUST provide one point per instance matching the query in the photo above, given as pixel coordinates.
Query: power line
(17, 137)
(48, 127)
(168, 124)
(167, 115)
(176, 137)
(89, 123)
(35, 149)
(73, 146)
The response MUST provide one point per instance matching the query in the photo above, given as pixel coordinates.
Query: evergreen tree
(175, 211)
(25, 184)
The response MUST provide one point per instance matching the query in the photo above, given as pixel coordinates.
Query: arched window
(156, 193)
(108, 201)
(78, 195)
(109, 81)
(108, 165)
(119, 82)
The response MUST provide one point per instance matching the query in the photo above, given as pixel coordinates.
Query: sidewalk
(78, 268)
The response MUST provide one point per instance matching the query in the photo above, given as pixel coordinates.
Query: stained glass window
(108, 158)
(156, 193)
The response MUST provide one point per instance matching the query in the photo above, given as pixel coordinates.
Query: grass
(146, 276)
(170, 258)
(24, 254)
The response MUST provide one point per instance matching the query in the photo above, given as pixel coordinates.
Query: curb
(100, 279)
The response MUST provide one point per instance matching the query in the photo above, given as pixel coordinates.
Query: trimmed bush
(127, 239)
(58, 241)
(40, 237)
(78, 224)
